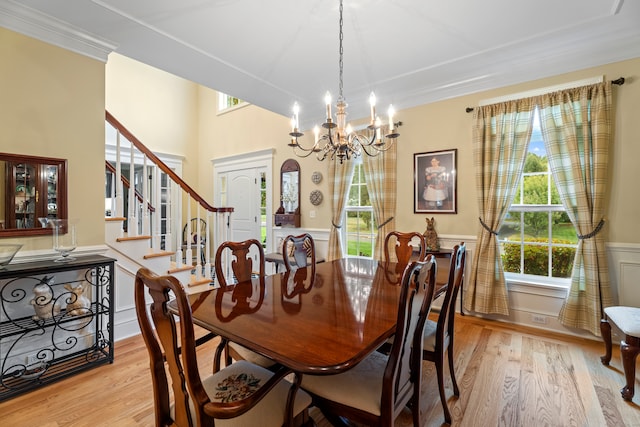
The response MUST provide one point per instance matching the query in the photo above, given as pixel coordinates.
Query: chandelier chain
(340, 63)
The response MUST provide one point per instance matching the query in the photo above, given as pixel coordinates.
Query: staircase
(148, 210)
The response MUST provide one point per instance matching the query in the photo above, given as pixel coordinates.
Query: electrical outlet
(539, 318)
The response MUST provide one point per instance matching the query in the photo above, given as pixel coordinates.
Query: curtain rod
(620, 81)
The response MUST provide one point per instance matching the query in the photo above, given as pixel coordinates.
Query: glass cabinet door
(32, 190)
(25, 193)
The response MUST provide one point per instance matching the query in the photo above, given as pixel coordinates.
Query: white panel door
(243, 193)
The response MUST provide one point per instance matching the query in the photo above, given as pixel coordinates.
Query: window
(361, 230)
(228, 102)
(537, 236)
(263, 209)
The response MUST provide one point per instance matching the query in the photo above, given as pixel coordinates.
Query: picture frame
(435, 185)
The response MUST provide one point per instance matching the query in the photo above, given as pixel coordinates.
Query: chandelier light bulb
(372, 102)
(327, 101)
(391, 113)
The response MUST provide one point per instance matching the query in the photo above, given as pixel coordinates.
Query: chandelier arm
(307, 152)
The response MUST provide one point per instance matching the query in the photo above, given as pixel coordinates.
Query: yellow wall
(437, 126)
(52, 105)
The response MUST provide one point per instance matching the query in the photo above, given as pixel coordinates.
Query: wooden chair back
(402, 247)
(456, 277)
(173, 343)
(404, 368)
(242, 266)
(304, 248)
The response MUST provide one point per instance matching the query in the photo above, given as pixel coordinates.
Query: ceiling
(410, 52)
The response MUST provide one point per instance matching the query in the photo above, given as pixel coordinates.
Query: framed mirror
(288, 214)
(31, 189)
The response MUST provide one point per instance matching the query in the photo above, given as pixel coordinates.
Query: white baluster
(146, 220)
(157, 200)
(178, 223)
(188, 255)
(132, 221)
(119, 186)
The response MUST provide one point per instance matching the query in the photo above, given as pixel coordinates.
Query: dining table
(322, 319)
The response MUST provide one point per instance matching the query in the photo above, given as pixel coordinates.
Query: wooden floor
(508, 376)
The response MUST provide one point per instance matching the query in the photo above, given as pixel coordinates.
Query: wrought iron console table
(56, 319)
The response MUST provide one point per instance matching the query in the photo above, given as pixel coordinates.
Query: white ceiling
(410, 52)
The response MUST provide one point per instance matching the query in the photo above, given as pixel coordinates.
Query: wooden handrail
(125, 182)
(163, 167)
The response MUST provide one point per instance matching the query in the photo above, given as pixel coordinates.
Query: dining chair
(379, 387)
(402, 248)
(242, 269)
(240, 394)
(299, 249)
(438, 336)
(628, 320)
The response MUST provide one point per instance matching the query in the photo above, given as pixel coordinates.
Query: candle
(296, 110)
(372, 102)
(327, 100)
(391, 111)
(316, 132)
(293, 124)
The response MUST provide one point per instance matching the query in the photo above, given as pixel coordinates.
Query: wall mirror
(31, 189)
(288, 214)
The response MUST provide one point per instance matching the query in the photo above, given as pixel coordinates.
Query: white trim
(33, 23)
(542, 90)
(225, 164)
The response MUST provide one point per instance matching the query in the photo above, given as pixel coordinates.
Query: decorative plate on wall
(316, 177)
(315, 197)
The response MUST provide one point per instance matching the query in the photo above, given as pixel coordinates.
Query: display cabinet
(56, 319)
(32, 188)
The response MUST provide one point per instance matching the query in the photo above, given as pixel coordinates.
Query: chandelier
(340, 140)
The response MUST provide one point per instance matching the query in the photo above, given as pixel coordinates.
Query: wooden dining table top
(321, 319)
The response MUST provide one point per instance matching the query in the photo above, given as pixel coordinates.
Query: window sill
(518, 281)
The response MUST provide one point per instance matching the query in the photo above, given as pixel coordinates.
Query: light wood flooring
(508, 376)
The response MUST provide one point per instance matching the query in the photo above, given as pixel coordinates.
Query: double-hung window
(360, 231)
(537, 237)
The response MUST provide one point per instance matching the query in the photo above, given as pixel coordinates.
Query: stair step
(173, 270)
(159, 254)
(114, 218)
(195, 282)
(132, 238)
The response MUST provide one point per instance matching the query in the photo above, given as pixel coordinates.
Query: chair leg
(452, 372)
(218, 355)
(629, 349)
(440, 374)
(605, 330)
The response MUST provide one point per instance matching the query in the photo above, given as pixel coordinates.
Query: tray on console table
(56, 319)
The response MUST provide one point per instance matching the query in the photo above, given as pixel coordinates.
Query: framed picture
(435, 188)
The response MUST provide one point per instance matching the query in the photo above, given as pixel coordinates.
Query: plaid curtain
(340, 175)
(380, 172)
(576, 129)
(501, 134)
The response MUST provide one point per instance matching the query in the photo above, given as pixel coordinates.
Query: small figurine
(431, 236)
(77, 304)
(42, 301)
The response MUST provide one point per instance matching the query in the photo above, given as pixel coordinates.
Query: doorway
(244, 182)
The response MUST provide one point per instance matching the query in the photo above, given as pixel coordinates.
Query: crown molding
(30, 22)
